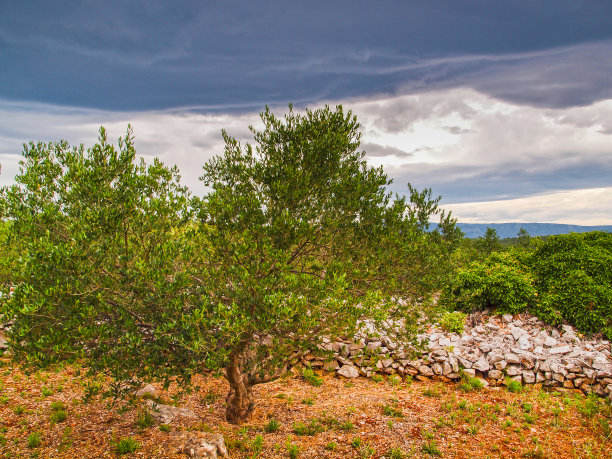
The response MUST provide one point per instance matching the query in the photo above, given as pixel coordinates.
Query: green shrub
(574, 280)
(500, 281)
(453, 322)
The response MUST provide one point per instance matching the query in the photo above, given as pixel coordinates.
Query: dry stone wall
(493, 348)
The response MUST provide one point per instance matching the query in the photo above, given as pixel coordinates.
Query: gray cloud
(373, 150)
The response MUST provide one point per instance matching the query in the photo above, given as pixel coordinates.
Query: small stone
(500, 365)
(507, 318)
(148, 389)
(528, 377)
(165, 414)
(495, 374)
(517, 332)
(513, 370)
(481, 365)
(512, 358)
(524, 342)
(469, 372)
(374, 345)
(202, 445)
(549, 341)
(560, 350)
(331, 365)
(425, 370)
(348, 371)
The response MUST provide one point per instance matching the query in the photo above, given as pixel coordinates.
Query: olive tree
(298, 239)
(305, 240)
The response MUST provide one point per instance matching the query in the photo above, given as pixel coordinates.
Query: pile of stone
(495, 348)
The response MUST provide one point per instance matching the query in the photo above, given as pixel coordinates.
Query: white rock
(517, 332)
(481, 365)
(512, 358)
(524, 342)
(166, 413)
(560, 350)
(528, 377)
(348, 371)
(202, 445)
(148, 389)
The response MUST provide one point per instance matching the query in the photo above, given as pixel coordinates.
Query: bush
(501, 281)
(574, 278)
(453, 322)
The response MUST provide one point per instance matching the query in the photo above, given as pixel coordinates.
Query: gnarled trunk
(240, 401)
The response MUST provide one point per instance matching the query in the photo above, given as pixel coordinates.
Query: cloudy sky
(502, 107)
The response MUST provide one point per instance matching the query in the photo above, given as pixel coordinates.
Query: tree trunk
(240, 401)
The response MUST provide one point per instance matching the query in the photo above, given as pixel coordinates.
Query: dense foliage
(299, 239)
(562, 278)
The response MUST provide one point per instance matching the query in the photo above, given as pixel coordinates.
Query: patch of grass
(165, 427)
(377, 378)
(331, 446)
(4, 400)
(473, 429)
(590, 407)
(34, 440)
(367, 451)
(430, 447)
(272, 426)
(434, 393)
(58, 416)
(126, 445)
(396, 453)
(469, 384)
(392, 410)
(257, 445)
(19, 409)
(293, 450)
(514, 386)
(47, 391)
(308, 401)
(311, 377)
(356, 442)
(57, 406)
(144, 419)
(210, 397)
(347, 426)
(312, 428)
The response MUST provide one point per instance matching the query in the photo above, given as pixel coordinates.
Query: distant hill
(504, 230)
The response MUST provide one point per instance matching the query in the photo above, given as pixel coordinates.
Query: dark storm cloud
(241, 55)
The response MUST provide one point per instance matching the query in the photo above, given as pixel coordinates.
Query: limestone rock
(202, 445)
(481, 365)
(165, 414)
(348, 371)
(148, 389)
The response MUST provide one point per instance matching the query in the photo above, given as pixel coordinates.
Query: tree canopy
(298, 240)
